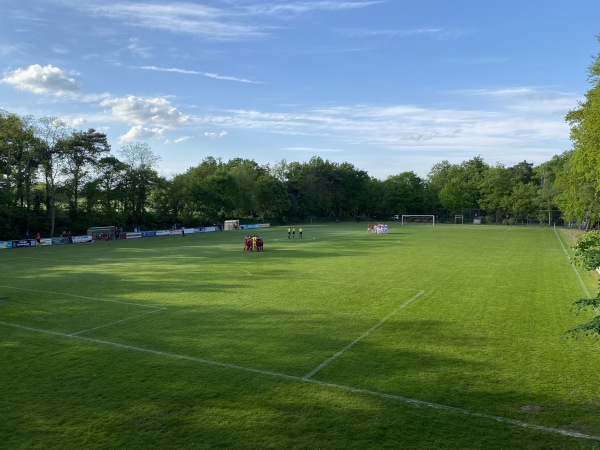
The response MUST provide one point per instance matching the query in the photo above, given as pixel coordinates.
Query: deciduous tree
(82, 150)
(587, 255)
(581, 182)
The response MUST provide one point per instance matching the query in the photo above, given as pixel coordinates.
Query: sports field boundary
(154, 309)
(320, 369)
(95, 299)
(398, 398)
(577, 274)
(118, 321)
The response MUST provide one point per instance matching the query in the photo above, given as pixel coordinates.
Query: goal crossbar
(426, 219)
(108, 230)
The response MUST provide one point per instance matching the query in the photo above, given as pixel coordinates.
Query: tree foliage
(81, 151)
(462, 184)
(581, 182)
(587, 256)
(587, 251)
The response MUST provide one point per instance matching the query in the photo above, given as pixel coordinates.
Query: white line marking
(117, 321)
(466, 412)
(141, 305)
(70, 261)
(361, 337)
(153, 352)
(345, 283)
(585, 289)
(398, 398)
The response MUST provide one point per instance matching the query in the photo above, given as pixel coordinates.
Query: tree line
(54, 178)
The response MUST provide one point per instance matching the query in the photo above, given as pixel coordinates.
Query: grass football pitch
(427, 337)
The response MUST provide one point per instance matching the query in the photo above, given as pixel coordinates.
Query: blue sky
(388, 86)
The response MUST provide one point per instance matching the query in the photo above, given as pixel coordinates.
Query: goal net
(425, 219)
(101, 233)
(232, 225)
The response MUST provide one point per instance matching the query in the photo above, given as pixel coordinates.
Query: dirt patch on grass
(531, 409)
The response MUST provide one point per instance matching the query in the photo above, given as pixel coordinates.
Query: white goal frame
(94, 231)
(420, 219)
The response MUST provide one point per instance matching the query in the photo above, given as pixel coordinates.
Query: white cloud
(61, 50)
(78, 121)
(527, 99)
(437, 33)
(137, 50)
(7, 48)
(140, 133)
(235, 21)
(213, 135)
(179, 140)
(313, 150)
(187, 18)
(157, 112)
(42, 80)
(296, 8)
(196, 72)
(518, 118)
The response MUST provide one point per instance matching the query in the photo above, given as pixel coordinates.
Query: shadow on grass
(76, 391)
(64, 394)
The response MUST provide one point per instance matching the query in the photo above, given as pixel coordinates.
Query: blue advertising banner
(202, 229)
(255, 225)
(23, 243)
(5, 244)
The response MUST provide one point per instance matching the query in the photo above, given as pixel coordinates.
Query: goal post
(459, 218)
(102, 233)
(418, 219)
(231, 225)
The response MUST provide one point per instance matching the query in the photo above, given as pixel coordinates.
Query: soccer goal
(232, 225)
(102, 233)
(423, 219)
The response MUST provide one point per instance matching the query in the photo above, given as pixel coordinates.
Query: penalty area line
(116, 322)
(279, 375)
(361, 337)
(455, 409)
(141, 305)
(151, 351)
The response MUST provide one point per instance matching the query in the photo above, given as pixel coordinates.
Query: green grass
(428, 337)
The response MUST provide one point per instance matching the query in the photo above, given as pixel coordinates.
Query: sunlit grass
(316, 343)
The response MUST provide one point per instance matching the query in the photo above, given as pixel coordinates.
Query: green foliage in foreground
(591, 328)
(587, 250)
(587, 255)
(428, 337)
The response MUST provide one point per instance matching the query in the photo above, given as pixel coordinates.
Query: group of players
(292, 232)
(253, 244)
(379, 228)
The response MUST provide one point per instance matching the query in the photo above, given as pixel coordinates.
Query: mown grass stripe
(361, 337)
(280, 375)
(96, 299)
